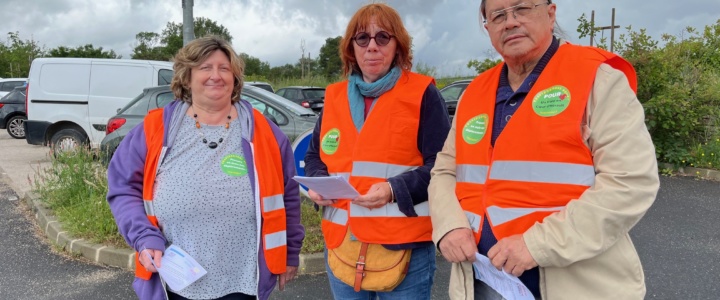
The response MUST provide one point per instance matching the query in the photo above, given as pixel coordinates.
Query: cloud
(446, 34)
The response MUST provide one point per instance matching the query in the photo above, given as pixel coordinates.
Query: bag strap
(360, 267)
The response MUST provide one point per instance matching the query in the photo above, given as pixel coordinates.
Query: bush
(679, 86)
(74, 188)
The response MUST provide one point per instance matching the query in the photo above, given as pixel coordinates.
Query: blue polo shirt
(506, 104)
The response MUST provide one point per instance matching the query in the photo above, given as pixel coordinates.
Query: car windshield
(314, 93)
(289, 105)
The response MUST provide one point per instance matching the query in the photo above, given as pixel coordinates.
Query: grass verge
(74, 188)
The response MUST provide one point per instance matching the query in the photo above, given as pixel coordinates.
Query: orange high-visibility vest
(267, 162)
(385, 147)
(540, 161)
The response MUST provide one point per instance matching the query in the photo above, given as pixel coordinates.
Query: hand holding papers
(507, 285)
(178, 269)
(331, 187)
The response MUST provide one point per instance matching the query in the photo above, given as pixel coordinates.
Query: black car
(307, 96)
(452, 92)
(12, 112)
(291, 118)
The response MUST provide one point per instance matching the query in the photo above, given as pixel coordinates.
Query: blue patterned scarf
(359, 89)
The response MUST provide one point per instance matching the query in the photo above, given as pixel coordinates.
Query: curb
(123, 258)
(101, 254)
(691, 171)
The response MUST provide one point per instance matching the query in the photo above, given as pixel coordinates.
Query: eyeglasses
(521, 12)
(382, 38)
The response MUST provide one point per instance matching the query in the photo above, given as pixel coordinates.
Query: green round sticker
(330, 141)
(234, 165)
(474, 130)
(552, 101)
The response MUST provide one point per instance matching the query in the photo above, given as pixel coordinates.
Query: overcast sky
(446, 33)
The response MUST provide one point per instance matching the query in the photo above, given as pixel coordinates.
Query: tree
(482, 66)
(285, 71)
(329, 62)
(254, 66)
(16, 55)
(165, 45)
(172, 35)
(149, 47)
(87, 51)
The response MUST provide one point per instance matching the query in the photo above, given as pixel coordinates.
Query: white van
(70, 100)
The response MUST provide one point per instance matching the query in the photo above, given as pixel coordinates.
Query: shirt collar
(542, 63)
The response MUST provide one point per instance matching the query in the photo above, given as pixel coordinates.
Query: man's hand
(512, 255)
(378, 195)
(315, 197)
(145, 260)
(458, 245)
(286, 277)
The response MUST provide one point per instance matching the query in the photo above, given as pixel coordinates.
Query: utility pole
(612, 28)
(302, 59)
(188, 21)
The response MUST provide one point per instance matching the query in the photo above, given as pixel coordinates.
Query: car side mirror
(118, 110)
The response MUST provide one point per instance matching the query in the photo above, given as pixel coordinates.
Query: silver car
(292, 118)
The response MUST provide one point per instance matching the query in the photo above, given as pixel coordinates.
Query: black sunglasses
(382, 38)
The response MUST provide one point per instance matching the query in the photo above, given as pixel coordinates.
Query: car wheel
(67, 140)
(15, 127)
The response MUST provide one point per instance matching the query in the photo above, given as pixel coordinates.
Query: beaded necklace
(211, 145)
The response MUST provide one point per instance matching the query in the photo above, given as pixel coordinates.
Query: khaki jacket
(584, 251)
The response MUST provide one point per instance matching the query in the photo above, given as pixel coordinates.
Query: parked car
(263, 85)
(8, 84)
(12, 112)
(307, 96)
(292, 119)
(452, 92)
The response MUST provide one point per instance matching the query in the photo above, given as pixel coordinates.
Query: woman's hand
(145, 260)
(315, 197)
(286, 277)
(378, 195)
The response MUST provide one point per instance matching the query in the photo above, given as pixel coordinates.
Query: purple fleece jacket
(125, 186)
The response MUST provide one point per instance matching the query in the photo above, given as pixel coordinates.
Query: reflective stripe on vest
(475, 220)
(543, 172)
(472, 173)
(499, 215)
(276, 239)
(335, 215)
(391, 210)
(149, 208)
(378, 170)
(274, 202)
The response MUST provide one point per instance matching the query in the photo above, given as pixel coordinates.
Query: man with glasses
(551, 195)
